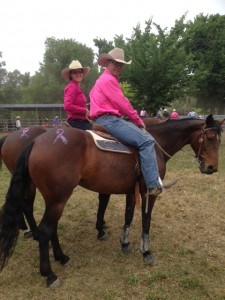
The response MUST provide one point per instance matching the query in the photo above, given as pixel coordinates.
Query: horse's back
(15, 142)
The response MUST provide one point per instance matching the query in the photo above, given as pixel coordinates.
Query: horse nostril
(211, 169)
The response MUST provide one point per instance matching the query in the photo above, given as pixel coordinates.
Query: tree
(11, 90)
(47, 84)
(205, 42)
(158, 72)
(3, 77)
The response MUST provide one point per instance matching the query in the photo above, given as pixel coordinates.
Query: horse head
(206, 145)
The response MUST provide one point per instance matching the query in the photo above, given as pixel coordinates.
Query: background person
(56, 123)
(18, 123)
(174, 115)
(109, 105)
(166, 113)
(74, 97)
(143, 113)
(192, 114)
(160, 113)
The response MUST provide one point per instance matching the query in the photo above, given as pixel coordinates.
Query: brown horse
(72, 154)
(11, 146)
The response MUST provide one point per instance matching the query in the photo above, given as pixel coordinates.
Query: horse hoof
(102, 237)
(126, 248)
(149, 259)
(55, 284)
(64, 260)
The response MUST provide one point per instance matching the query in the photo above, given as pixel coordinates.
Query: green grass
(187, 238)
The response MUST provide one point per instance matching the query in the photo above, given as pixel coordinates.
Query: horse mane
(215, 124)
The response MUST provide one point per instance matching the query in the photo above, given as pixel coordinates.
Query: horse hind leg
(129, 214)
(45, 267)
(57, 250)
(28, 211)
(47, 230)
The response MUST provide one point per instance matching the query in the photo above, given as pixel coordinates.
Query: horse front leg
(100, 223)
(146, 210)
(129, 214)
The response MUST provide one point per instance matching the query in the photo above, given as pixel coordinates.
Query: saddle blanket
(109, 145)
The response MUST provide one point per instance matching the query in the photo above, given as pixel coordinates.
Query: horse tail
(2, 141)
(12, 210)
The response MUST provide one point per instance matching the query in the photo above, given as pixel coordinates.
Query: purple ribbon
(60, 135)
(24, 133)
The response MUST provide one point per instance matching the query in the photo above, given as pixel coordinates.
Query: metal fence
(9, 125)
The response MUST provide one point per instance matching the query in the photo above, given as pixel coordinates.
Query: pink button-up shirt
(74, 101)
(107, 97)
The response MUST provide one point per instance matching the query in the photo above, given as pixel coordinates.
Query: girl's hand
(87, 113)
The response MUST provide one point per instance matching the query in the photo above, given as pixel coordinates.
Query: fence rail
(8, 125)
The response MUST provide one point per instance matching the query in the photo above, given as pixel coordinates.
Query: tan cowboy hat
(116, 54)
(75, 64)
(18, 117)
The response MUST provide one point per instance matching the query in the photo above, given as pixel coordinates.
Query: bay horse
(12, 144)
(73, 154)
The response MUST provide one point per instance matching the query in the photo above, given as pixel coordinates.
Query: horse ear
(209, 121)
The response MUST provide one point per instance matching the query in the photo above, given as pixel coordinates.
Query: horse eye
(210, 136)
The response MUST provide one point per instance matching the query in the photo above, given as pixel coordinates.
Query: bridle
(203, 135)
(200, 138)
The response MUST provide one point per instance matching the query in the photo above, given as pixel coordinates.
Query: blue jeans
(80, 124)
(130, 134)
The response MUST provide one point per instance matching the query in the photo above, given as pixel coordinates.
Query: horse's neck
(173, 138)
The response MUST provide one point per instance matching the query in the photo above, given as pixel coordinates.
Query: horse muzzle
(207, 169)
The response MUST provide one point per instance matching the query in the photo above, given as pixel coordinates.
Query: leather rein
(201, 139)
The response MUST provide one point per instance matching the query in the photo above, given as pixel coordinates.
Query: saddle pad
(109, 145)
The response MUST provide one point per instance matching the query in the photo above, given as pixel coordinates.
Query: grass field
(187, 238)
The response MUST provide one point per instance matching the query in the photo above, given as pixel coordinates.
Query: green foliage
(11, 90)
(205, 42)
(103, 45)
(58, 55)
(169, 67)
(158, 71)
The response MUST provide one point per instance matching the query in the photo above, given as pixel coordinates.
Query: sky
(26, 24)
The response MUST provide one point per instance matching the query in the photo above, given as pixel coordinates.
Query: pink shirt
(74, 101)
(107, 97)
(174, 115)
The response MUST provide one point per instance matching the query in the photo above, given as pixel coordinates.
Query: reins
(170, 156)
(196, 158)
